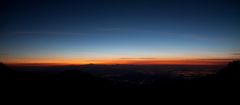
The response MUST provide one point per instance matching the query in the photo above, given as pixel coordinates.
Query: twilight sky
(119, 31)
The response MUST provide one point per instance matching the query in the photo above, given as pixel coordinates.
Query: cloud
(188, 36)
(108, 29)
(138, 58)
(216, 59)
(236, 54)
(65, 33)
(4, 54)
(198, 37)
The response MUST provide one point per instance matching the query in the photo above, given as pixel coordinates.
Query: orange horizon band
(133, 62)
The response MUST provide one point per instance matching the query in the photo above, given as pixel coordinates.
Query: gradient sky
(119, 31)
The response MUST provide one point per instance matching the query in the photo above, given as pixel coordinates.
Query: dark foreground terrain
(119, 79)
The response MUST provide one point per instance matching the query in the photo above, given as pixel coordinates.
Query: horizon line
(68, 64)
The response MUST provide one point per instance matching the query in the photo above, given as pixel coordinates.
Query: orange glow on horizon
(125, 61)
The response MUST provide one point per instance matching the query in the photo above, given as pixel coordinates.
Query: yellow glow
(136, 61)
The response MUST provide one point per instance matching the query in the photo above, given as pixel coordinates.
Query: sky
(119, 31)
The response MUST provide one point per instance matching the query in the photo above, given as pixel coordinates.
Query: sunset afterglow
(129, 47)
(120, 32)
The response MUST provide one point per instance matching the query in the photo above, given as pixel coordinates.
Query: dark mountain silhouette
(30, 80)
(231, 72)
(6, 73)
(77, 79)
(82, 79)
(4, 69)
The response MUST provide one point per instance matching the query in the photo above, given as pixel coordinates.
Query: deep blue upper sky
(92, 29)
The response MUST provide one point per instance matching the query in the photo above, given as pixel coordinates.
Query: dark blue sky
(115, 29)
